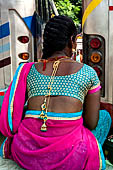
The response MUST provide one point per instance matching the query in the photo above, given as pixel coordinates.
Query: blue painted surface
(5, 47)
(30, 22)
(4, 30)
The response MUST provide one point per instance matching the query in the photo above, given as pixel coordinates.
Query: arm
(91, 104)
(91, 108)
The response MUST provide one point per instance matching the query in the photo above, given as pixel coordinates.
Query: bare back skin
(58, 104)
(65, 104)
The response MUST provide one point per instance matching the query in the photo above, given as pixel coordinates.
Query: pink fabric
(66, 144)
(94, 90)
(19, 101)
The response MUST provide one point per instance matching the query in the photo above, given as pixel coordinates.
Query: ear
(74, 44)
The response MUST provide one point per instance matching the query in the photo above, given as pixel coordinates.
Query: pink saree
(67, 144)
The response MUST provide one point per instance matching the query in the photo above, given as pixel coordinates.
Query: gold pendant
(44, 127)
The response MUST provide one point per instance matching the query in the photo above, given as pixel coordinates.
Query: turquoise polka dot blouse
(75, 85)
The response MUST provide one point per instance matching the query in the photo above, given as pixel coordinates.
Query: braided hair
(57, 34)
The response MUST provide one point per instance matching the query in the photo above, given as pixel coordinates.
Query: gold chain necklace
(44, 106)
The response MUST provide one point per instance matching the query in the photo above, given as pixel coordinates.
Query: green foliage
(70, 8)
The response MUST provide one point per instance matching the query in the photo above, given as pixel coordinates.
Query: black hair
(57, 34)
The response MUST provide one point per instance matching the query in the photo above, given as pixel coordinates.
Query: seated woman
(62, 127)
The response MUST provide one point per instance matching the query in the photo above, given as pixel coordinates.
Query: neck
(56, 58)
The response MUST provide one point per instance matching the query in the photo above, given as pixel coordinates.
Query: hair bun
(57, 33)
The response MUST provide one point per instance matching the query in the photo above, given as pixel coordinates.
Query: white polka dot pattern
(75, 85)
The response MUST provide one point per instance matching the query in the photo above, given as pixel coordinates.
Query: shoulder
(89, 69)
(90, 74)
(24, 68)
(25, 64)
